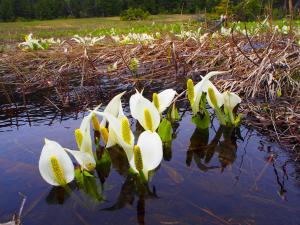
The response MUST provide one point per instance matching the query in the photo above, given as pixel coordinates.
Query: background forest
(12, 10)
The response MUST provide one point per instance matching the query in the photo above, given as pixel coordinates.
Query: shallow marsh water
(206, 177)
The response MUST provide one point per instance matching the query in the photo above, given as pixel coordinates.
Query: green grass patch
(15, 31)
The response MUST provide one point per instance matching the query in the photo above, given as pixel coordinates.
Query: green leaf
(103, 164)
(227, 118)
(91, 188)
(237, 121)
(174, 113)
(220, 116)
(131, 172)
(165, 130)
(279, 92)
(201, 122)
(134, 65)
(87, 174)
(79, 177)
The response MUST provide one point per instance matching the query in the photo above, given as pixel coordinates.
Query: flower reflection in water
(224, 143)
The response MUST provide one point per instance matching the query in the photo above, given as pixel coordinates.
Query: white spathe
(165, 99)
(205, 83)
(202, 87)
(231, 100)
(85, 155)
(85, 129)
(116, 135)
(219, 97)
(144, 111)
(151, 149)
(51, 150)
(114, 107)
(85, 160)
(133, 101)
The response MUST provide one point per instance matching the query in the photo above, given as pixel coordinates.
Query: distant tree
(43, 9)
(224, 7)
(108, 7)
(88, 8)
(248, 9)
(7, 10)
(50, 9)
(75, 8)
(211, 4)
(24, 8)
(169, 6)
(150, 6)
(192, 6)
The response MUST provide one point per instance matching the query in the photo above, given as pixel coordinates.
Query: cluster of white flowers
(145, 154)
(87, 41)
(226, 100)
(197, 35)
(32, 43)
(136, 38)
(282, 29)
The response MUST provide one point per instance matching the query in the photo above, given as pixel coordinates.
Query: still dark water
(206, 177)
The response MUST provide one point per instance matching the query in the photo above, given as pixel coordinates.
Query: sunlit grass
(95, 26)
(15, 32)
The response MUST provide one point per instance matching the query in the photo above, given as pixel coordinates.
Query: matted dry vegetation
(263, 69)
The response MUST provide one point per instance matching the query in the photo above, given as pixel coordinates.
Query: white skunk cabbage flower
(163, 100)
(116, 38)
(215, 100)
(83, 138)
(231, 100)
(31, 43)
(225, 31)
(114, 107)
(194, 93)
(119, 132)
(148, 153)
(214, 97)
(144, 111)
(55, 166)
(87, 40)
(85, 160)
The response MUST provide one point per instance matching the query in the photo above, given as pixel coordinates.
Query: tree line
(11, 10)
